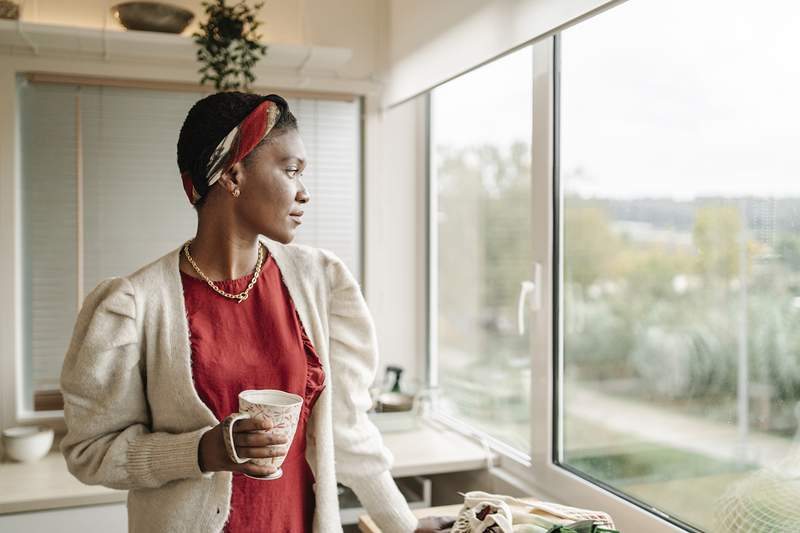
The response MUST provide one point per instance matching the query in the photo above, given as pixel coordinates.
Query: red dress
(257, 344)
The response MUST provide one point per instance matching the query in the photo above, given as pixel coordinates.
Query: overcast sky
(660, 98)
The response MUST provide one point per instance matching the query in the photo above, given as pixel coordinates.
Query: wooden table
(366, 525)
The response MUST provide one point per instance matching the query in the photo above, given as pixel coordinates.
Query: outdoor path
(639, 421)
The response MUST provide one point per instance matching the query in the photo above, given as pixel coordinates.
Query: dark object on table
(394, 400)
(584, 526)
(152, 16)
(397, 371)
(9, 10)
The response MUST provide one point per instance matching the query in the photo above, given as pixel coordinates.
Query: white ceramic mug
(283, 408)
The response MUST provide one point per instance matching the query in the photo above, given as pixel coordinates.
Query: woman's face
(272, 193)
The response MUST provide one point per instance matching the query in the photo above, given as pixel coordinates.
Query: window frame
(542, 471)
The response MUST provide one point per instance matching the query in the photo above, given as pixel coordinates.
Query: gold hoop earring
(236, 193)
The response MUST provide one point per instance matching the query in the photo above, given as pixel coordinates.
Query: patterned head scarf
(239, 142)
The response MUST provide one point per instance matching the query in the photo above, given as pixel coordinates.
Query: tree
(590, 247)
(717, 233)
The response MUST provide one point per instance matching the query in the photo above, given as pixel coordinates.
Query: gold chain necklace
(242, 296)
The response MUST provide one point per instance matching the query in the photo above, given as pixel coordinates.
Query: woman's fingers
(262, 451)
(260, 423)
(255, 438)
(256, 470)
(247, 439)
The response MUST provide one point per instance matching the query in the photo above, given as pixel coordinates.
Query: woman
(158, 357)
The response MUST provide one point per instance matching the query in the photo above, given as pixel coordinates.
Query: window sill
(430, 450)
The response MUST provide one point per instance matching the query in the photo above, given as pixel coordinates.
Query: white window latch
(535, 302)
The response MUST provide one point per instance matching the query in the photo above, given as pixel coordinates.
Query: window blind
(49, 229)
(330, 132)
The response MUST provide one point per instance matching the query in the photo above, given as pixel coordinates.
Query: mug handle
(227, 436)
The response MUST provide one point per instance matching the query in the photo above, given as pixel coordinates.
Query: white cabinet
(415, 489)
(111, 518)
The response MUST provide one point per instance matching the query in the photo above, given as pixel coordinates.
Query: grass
(651, 463)
(680, 483)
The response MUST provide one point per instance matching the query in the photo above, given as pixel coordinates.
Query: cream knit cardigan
(134, 419)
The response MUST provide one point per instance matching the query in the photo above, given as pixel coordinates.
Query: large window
(480, 142)
(101, 197)
(679, 288)
(663, 203)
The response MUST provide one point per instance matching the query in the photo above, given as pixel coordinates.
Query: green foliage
(788, 248)
(651, 270)
(600, 339)
(229, 45)
(774, 347)
(589, 246)
(692, 358)
(716, 233)
(484, 204)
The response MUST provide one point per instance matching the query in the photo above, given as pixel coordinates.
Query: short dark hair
(210, 120)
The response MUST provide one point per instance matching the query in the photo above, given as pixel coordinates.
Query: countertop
(46, 484)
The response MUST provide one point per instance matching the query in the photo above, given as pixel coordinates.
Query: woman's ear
(231, 179)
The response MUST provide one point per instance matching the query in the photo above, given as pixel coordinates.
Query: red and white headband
(239, 142)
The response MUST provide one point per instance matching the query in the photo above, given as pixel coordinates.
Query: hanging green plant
(229, 45)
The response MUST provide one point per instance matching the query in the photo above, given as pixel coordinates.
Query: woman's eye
(291, 171)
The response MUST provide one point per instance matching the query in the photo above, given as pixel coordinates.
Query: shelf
(20, 38)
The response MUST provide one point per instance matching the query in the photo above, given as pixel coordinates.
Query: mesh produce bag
(767, 501)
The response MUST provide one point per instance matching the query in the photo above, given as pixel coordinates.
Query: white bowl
(27, 443)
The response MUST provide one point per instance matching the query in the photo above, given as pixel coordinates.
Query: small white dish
(27, 443)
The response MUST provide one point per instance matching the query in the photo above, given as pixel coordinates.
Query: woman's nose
(302, 195)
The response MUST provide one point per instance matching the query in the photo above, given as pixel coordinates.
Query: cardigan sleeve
(363, 463)
(108, 441)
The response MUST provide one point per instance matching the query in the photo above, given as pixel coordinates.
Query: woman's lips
(296, 218)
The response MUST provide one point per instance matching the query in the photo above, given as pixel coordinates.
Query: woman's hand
(251, 439)
(430, 524)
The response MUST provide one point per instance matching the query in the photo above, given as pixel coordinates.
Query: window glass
(480, 144)
(680, 282)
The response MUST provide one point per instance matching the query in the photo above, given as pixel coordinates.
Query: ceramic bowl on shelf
(152, 16)
(27, 443)
(9, 10)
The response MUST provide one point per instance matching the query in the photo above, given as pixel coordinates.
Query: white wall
(396, 235)
(431, 42)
